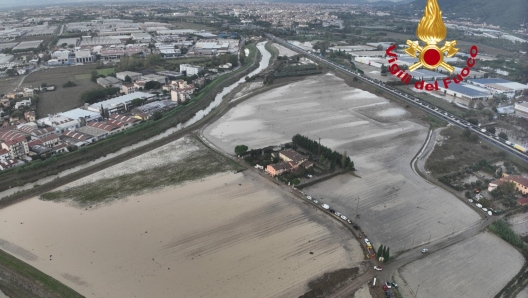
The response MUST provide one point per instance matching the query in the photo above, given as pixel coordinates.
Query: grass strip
(18, 279)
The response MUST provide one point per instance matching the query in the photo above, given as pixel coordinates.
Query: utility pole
(319, 153)
(416, 294)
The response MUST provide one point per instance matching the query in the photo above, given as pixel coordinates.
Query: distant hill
(504, 13)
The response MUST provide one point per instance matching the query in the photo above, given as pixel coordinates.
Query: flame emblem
(431, 30)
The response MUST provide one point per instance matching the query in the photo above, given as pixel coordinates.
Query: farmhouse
(291, 161)
(521, 183)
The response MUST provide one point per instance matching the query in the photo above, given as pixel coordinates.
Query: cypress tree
(386, 255)
(380, 251)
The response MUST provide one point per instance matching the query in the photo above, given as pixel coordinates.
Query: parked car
(478, 205)
(338, 214)
(315, 201)
(367, 241)
(470, 200)
(489, 213)
(332, 211)
(325, 206)
(356, 227)
(309, 176)
(348, 220)
(484, 209)
(378, 268)
(309, 198)
(394, 284)
(388, 284)
(425, 250)
(343, 217)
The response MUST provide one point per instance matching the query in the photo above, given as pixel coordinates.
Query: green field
(105, 71)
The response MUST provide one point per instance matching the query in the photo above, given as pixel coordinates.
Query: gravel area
(397, 207)
(477, 267)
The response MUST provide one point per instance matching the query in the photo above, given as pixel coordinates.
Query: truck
(508, 143)
(520, 148)
(370, 251)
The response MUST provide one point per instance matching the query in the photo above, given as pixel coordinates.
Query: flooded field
(397, 207)
(477, 267)
(224, 236)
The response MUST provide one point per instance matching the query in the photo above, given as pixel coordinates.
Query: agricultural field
(223, 235)
(397, 207)
(62, 99)
(477, 267)
(8, 84)
(106, 71)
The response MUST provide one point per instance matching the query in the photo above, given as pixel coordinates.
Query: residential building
(4, 165)
(23, 103)
(521, 183)
(29, 116)
(50, 141)
(17, 147)
(60, 148)
(60, 123)
(4, 155)
(129, 88)
(291, 161)
(278, 168)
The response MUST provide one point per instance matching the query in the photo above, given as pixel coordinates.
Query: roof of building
(124, 118)
(59, 146)
(116, 123)
(281, 166)
(15, 141)
(424, 73)
(523, 201)
(120, 100)
(76, 135)
(11, 134)
(102, 126)
(467, 89)
(34, 142)
(519, 179)
(4, 151)
(80, 113)
(37, 148)
(292, 155)
(51, 137)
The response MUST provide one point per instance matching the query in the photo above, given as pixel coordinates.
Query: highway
(422, 105)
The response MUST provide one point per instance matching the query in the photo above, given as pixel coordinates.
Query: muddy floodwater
(223, 236)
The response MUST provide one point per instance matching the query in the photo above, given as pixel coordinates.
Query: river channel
(264, 63)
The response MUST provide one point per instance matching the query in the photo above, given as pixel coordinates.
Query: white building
(118, 104)
(84, 57)
(190, 70)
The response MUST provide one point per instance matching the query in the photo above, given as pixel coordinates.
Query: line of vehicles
(509, 146)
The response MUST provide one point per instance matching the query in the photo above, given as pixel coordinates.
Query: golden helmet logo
(431, 30)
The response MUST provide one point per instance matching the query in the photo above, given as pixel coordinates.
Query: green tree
(128, 79)
(386, 255)
(94, 75)
(503, 135)
(467, 132)
(157, 115)
(480, 105)
(296, 181)
(137, 101)
(491, 129)
(152, 85)
(241, 149)
(380, 251)
(471, 104)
